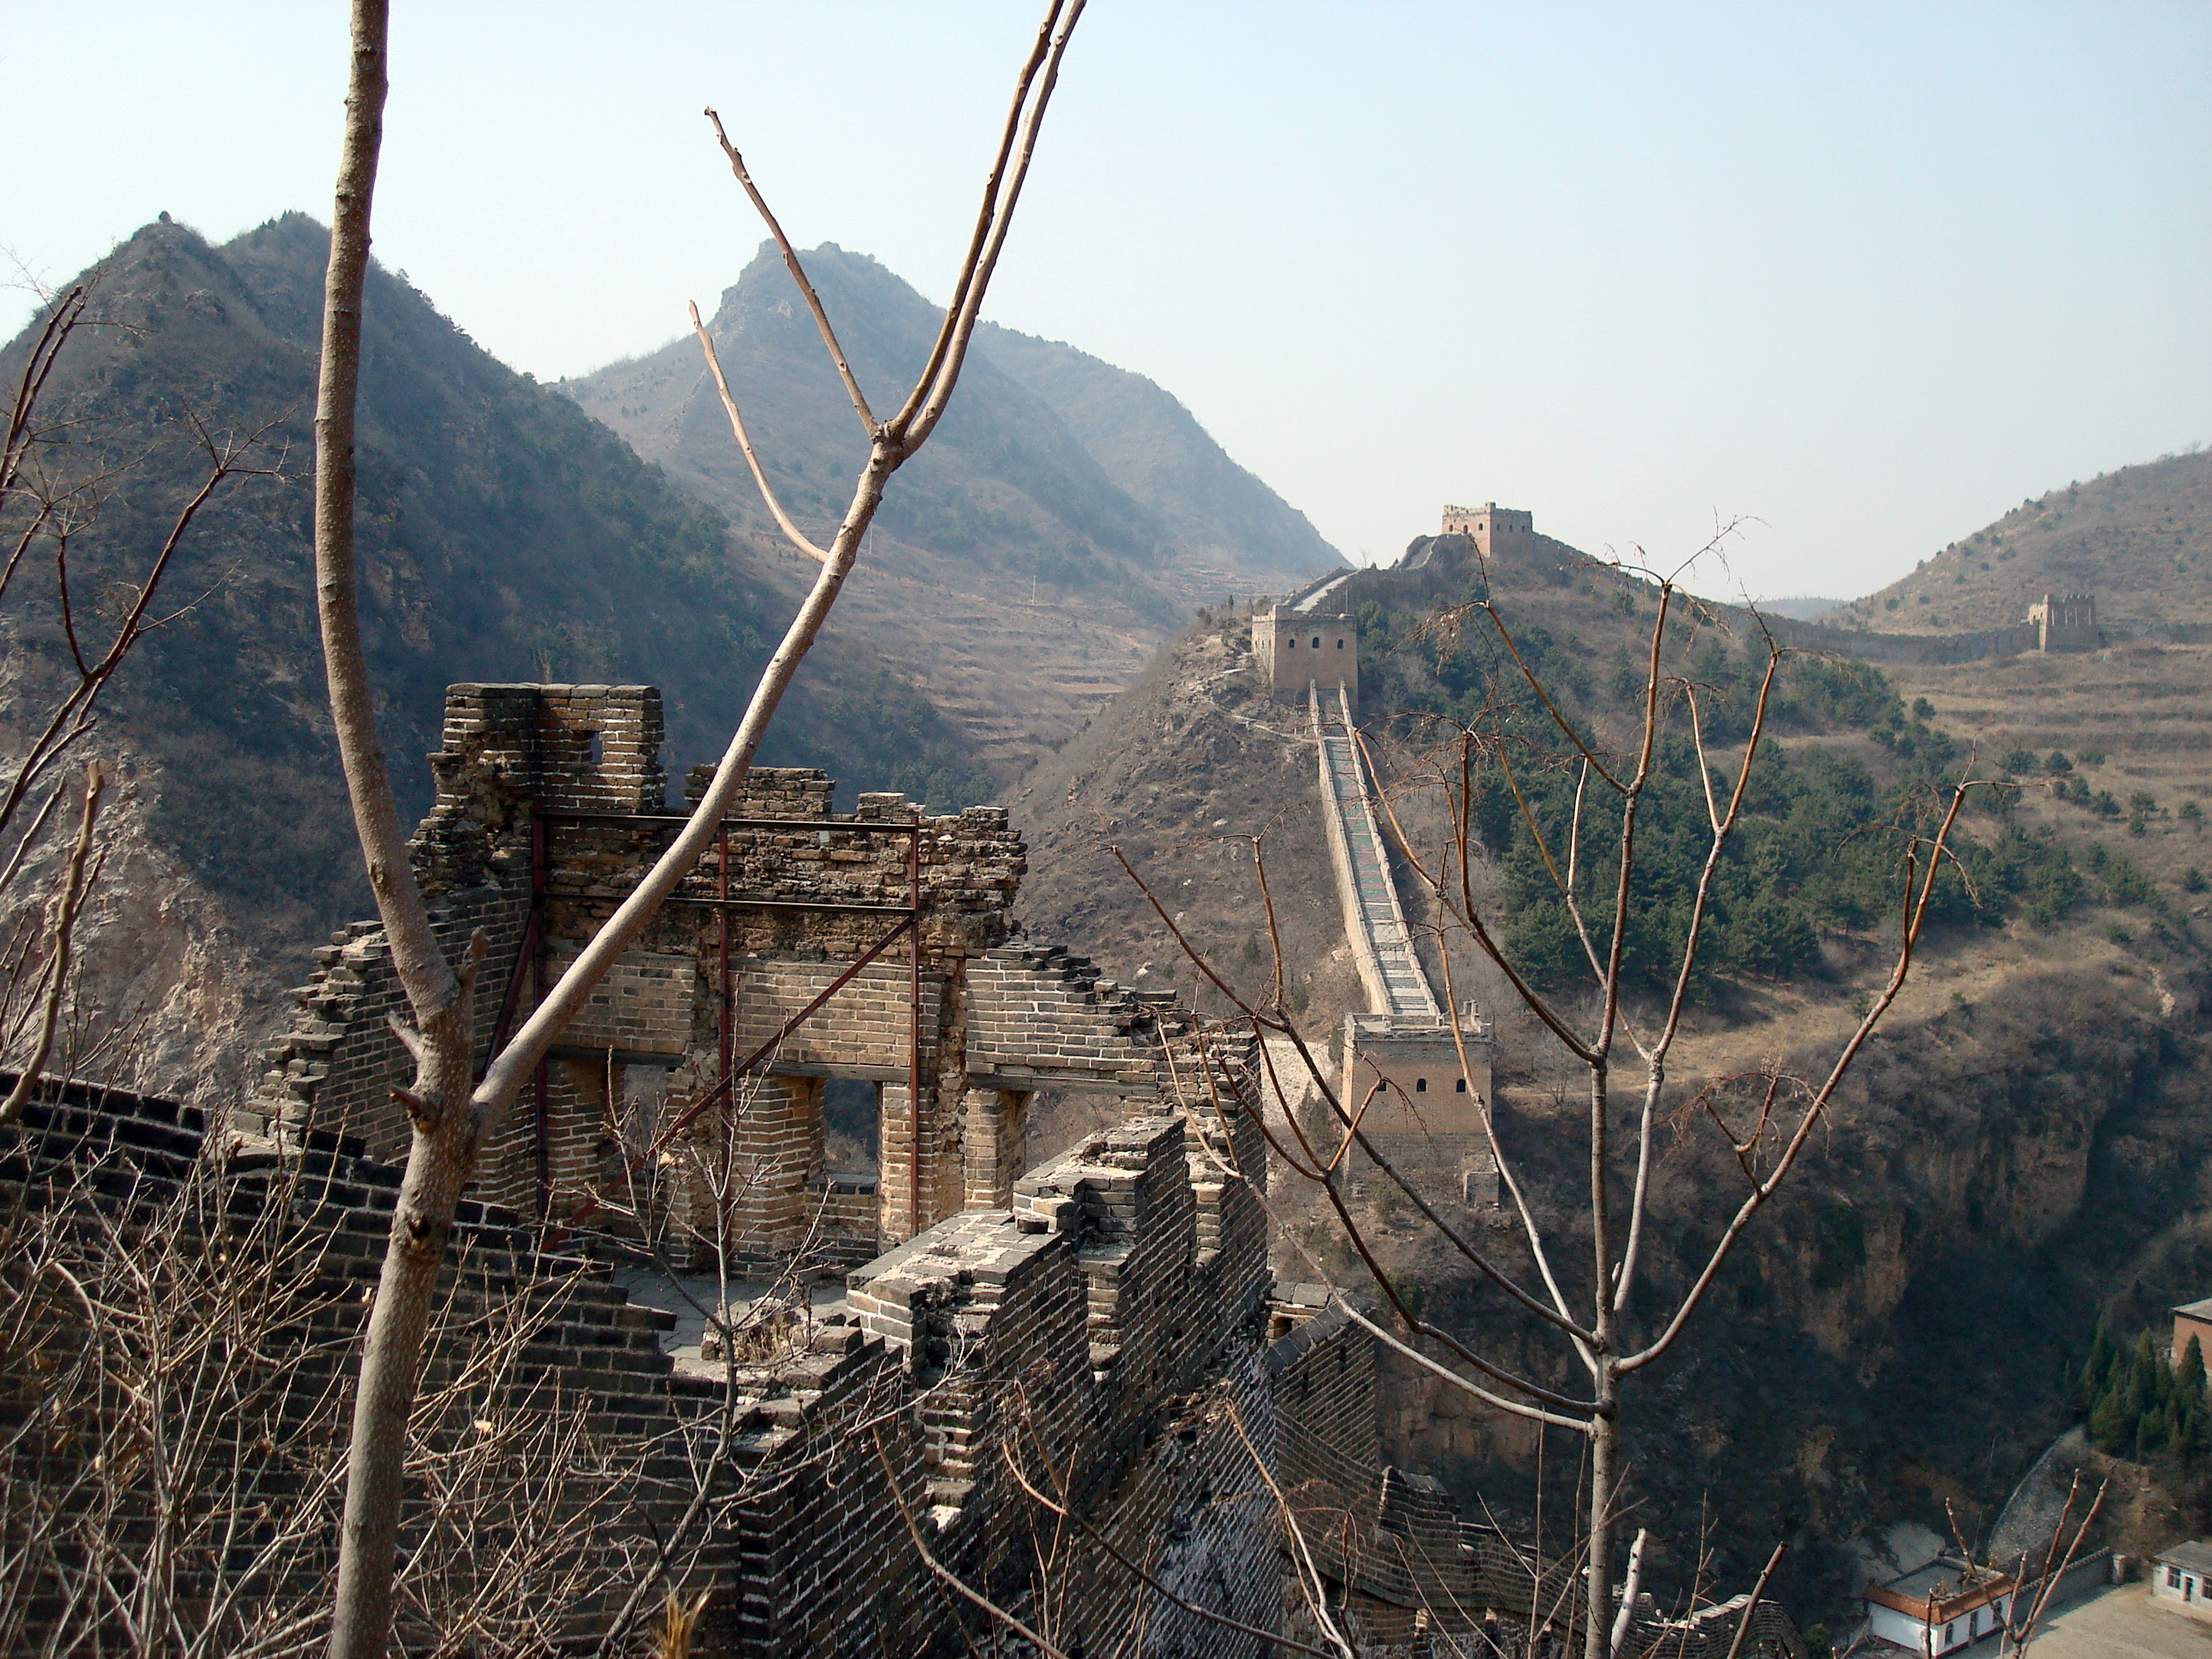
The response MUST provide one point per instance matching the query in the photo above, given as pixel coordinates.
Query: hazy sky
(1870, 273)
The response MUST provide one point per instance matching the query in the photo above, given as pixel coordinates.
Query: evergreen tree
(2108, 1424)
(2094, 1369)
(2139, 1404)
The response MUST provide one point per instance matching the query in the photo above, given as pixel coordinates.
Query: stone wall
(1100, 1338)
(319, 1209)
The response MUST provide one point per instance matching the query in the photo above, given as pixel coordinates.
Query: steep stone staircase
(1379, 941)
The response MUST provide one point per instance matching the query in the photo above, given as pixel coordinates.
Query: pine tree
(2109, 1428)
(2143, 1378)
(2155, 1434)
(2092, 1381)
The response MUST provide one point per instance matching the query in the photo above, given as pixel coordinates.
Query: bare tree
(1765, 1119)
(450, 1113)
(172, 1329)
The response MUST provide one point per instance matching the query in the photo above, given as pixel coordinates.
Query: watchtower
(1294, 648)
(2065, 621)
(1497, 531)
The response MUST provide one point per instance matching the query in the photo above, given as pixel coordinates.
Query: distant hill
(1220, 522)
(504, 535)
(1064, 521)
(2140, 539)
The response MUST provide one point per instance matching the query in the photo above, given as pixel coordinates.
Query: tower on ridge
(1294, 648)
(1497, 531)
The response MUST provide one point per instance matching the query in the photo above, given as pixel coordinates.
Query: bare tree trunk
(1605, 1480)
(441, 1156)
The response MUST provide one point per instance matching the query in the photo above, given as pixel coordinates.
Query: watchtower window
(1293, 645)
(1460, 1087)
(1316, 644)
(1339, 645)
(1420, 1085)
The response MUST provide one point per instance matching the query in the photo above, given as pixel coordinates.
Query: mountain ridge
(2137, 539)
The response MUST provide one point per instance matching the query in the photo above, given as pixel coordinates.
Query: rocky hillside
(1065, 520)
(2140, 539)
(504, 535)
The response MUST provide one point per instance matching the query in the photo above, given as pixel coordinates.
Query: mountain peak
(1065, 519)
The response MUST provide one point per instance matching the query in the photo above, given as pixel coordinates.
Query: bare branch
(60, 927)
(1007, 1453)
(1916, 918)
(745, 443)
(798, 275)
(967, 304)
(1469, 916)
(1630, 1587)
(1311, 1575)
(944, 1574)
(1758, 1594)
(985, 217)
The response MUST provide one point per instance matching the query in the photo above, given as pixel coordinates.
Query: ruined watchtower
(806, 947)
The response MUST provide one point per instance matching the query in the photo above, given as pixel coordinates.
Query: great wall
(929, 1348)
(909, 1350)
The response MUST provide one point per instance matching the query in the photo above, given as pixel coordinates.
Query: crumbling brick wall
(549, 811)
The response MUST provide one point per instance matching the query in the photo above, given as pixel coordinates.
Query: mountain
(2139, 539)
(503, 534)
(1223, 522)
(1064, 521)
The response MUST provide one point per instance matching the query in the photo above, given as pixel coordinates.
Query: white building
(2183, 1578)
(1941, 1608)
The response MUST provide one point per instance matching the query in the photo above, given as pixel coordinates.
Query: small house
(1940, 1607)
(2181, 1579)
(2192, 1318)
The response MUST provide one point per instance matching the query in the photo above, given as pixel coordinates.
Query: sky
(1860, 277)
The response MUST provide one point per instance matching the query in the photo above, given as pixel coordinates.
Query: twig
(798, 275)
(944, 1574)
(63, 925)
(745, 443)
(1150, 1583)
